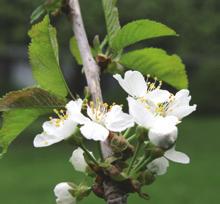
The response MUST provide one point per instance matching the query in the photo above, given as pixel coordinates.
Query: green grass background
(28, 175)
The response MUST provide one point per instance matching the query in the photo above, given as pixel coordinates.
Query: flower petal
(94, 131)
(44, 140)
(133, 83)
(78, 161)
(182, 111)
(180, 106)
(176, 156)
(63, 195)
(164, 132)
(142, 116)
(74, 112)
(158, 166)
(158, 96)
(63, 129)
(116, 120)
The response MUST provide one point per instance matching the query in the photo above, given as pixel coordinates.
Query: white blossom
(63, 195)
(78, 161)
(154, 99)
(58, 129)
(101, 119)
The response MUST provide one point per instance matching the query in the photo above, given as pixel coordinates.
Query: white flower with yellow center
(62, 192)
(157, 101)
(101, 120)
(58, 129)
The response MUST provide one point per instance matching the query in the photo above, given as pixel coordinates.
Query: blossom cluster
(150, 107)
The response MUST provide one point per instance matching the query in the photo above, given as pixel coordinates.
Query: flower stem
(100, 151)
(89, 155)
(143, 162)
(137, 149)
(131, 138)
(127, 132)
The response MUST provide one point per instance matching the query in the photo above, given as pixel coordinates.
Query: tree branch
(113, 194)
(90, 67)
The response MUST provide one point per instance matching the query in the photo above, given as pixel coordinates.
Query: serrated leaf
(140, 30)
(22, 108)
(111, 18)
(30, 98)
(158, 63)
(75, 50)
(43, 54)
(14, 122)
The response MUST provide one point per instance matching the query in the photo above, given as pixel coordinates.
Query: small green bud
(79, 191)
(152, 150)
(157, 153)
(96, 44)
(147, 177)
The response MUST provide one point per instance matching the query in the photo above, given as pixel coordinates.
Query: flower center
(62, 116)
(151, 86)
(98, 112)
(162, 108)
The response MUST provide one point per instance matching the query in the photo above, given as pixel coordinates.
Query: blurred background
(28, 175)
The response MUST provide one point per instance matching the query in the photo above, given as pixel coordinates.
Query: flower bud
(63, 193)
(147, 177)
(118, 143)
(78, 161)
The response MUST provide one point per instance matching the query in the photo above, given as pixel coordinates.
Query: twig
(113, 194)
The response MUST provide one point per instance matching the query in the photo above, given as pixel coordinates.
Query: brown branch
(113, 194)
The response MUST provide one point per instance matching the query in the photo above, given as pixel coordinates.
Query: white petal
(182, 111)
(163, 139)
(78, 161)
(64, 129)
(142, 116)
(63, 195)
(158, 166)
(183, 96)
(74, 112)
(180, 106)
(176, 156)
(94, 131)
(116, 120)
(158, 96)
(133, 83)
(92, 113)
(163, 132)
(44, 140)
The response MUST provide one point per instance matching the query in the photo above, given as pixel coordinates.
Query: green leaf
(43, 53)
(140, 30)
(75, 50)
(14, 122)
(30, 98)
(111, 18)
(38, 13)
(51, 6)
(22, 108)
(158, 63)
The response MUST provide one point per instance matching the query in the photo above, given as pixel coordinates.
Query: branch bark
(113, 194)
